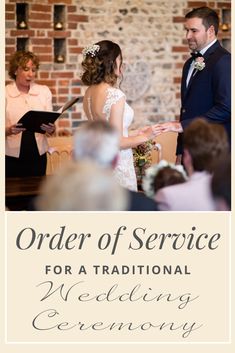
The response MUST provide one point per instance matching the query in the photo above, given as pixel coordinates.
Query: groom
(206, 78)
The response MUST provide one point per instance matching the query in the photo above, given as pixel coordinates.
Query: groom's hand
(173, 126)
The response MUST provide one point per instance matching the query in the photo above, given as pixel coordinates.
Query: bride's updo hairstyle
(99, 63)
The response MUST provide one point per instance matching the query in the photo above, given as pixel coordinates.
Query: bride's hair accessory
(91, 50)
(151, 173)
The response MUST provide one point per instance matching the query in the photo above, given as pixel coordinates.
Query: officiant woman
(25, 151)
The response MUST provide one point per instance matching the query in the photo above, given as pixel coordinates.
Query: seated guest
(221, 184)
(25, 150)
(99, 141)
(162, 174)
(204, 143)
(82, 186)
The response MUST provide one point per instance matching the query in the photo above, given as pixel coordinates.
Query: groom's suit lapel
(207, 55)
(184, 78)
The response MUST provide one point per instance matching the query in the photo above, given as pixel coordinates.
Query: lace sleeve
(113, 96)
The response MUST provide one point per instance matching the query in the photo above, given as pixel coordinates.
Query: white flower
(199, 63)
(151, 173)
(91, 49)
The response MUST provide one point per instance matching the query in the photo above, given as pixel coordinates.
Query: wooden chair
(156, 153)
(167, 144)
(60, 152)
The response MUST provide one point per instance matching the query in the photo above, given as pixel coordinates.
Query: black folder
(33, 119)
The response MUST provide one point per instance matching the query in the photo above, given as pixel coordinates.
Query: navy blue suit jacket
(208, 93)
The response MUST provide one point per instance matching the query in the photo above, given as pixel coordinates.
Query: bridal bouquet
(142, 158)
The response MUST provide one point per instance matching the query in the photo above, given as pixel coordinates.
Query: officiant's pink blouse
(17, 104)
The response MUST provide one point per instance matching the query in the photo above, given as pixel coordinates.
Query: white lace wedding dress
(124, 171)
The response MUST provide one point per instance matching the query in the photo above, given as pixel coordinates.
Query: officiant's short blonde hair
(19, 59)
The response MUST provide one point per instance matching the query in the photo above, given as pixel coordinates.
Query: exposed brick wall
(147, 31)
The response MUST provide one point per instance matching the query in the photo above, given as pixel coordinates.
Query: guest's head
(23, 62)
(82, 186)
(97, 141)
(221, 184)
(161, 175)
(201, 27)
(204, 143)
(102, 63)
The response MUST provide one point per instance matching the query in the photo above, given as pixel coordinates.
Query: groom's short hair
(209, 17)
(97, 141)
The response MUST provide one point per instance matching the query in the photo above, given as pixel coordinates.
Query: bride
(102, 66)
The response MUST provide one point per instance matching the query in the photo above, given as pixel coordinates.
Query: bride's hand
(152, 131)
(143, 129)
(157, 129)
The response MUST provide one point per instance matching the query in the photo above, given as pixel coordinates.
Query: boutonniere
(199, 63)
